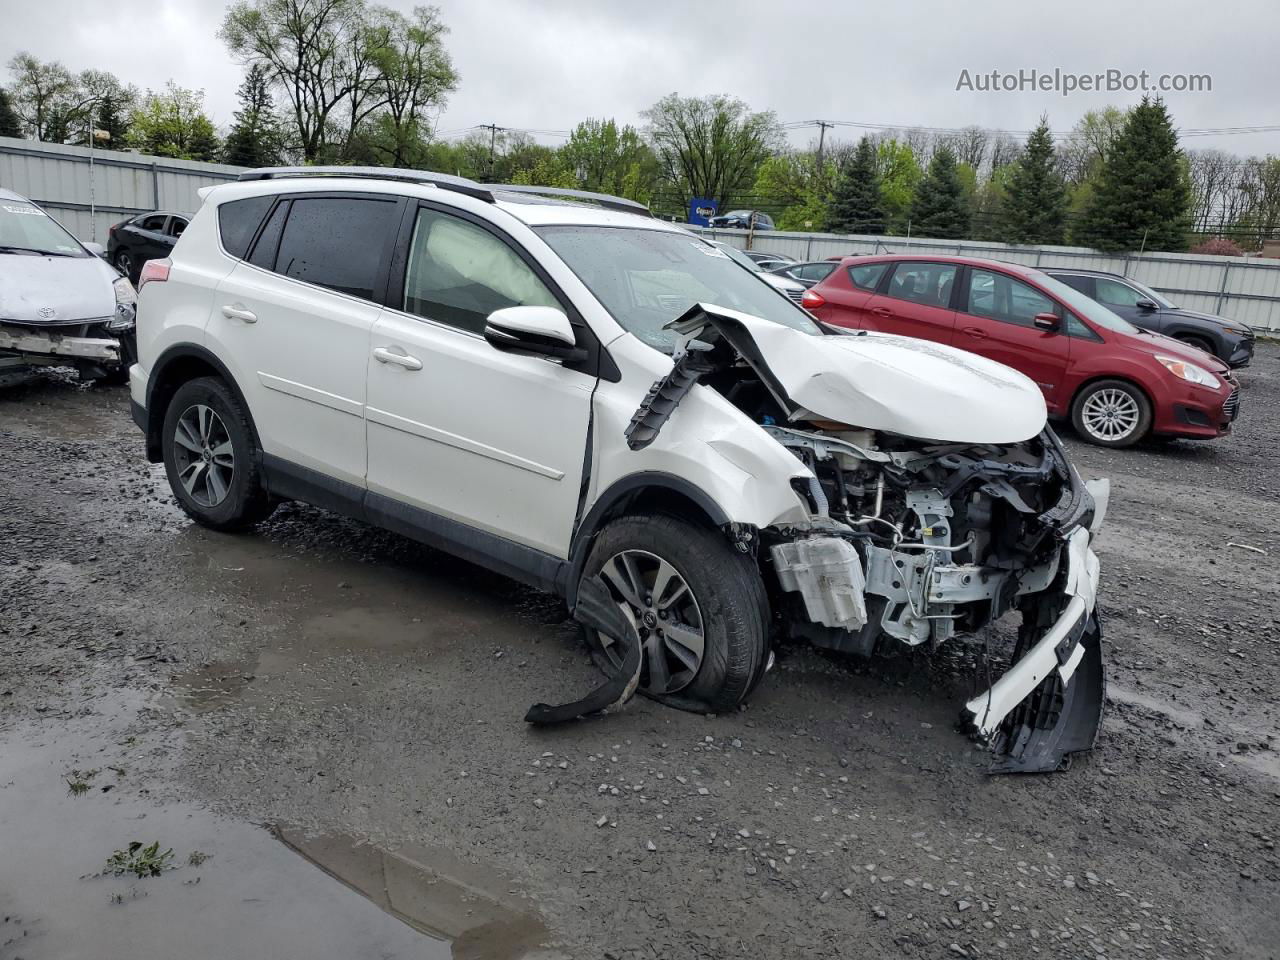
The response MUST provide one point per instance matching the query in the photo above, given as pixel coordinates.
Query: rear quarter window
(867, 276)
(238, 221)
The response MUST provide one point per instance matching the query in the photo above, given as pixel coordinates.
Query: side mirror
(97, 249)
(1048, 322)
(1145, 304)
(535, 331)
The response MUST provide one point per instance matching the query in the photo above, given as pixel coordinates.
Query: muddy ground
(321, 700)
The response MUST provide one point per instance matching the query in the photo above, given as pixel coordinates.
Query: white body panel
(495, 440)
(300, 364)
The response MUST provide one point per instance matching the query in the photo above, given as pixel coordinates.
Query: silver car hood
(911, 387)
(49, 290)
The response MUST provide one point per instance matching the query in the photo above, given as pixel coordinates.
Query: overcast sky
(546, 64)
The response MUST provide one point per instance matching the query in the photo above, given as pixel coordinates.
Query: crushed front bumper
(1048, 704)
(36, 344)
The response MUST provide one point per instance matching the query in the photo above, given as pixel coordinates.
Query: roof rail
(442, 180)
(603, 199)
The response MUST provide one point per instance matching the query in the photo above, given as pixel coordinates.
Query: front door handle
(882, 311)
(976, 332)
(383, 355)
(235, 311)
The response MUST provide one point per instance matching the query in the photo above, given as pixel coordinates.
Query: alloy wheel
(1110, 415)
(204, 455)
(666, 615)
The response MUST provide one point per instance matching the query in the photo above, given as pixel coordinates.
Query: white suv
(559, 387)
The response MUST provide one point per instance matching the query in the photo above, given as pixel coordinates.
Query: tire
(728, 604)
(1111, 413)
(1200, 344)
(238, 500)
(124, 263)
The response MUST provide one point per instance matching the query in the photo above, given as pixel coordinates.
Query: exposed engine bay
(910, 542)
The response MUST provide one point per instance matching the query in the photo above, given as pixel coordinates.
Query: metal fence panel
(88, 190)
(1242, 288)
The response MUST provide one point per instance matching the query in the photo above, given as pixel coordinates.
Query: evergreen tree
(939, 209)
(255, 138)
(113, 117)
(1143, 196)
(10, 125)
(1035, 202)
(857, 207)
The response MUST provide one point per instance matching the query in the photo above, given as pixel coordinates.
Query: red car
(1117, 383)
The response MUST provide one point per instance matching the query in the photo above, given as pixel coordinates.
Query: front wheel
(698, 605)
(1111, 413)
(211, 457)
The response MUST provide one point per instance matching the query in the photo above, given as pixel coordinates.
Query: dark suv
(742, 220)
(1228, 340)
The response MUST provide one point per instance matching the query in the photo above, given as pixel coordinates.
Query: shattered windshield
(647, 278)
(25, 228)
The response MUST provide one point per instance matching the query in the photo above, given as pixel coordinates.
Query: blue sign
(701, 210)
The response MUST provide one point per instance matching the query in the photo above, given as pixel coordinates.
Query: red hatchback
(1116, 382)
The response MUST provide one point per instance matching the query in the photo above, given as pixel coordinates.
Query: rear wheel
(211, 457)
(1111, 413)
(124, 263)
(699, 607)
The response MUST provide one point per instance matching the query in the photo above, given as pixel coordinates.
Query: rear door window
(238, 221)
(337, 242)
(153, 222)
(928, 284)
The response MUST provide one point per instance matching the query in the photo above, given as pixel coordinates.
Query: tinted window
(868, 275)
(176, 226)
(814, 271)
(1115, 294)
(154, 222)
(336, 242)
(264, 251)
(924, 283)
(1000, 297)
(459, 273)
(1077, 282)
(238, 222)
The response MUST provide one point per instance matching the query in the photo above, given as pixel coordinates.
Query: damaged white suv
(559, 387)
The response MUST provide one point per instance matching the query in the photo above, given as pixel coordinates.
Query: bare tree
(970, 146)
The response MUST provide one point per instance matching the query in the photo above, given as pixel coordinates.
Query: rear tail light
(111, 230)
(156, 271)
(811, 300)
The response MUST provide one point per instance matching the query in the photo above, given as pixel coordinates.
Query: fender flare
(174, 354)
(620, 489)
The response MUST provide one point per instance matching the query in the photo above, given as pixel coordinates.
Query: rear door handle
(234, 311)
(383, 355)
(882, 311)
(976, 332)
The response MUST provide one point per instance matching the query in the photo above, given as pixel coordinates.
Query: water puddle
(73, 793)
(432, 891)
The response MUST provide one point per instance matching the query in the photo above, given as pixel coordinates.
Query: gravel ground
(348, 683)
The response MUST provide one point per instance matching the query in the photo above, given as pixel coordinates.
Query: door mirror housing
(1049, 322)
(1145, 304)
(97, 249)
(535, 331)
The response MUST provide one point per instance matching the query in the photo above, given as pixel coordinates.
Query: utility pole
(822, 136)
(493, 129)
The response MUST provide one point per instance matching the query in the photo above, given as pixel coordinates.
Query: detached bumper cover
(56, 345)
(1048, 705)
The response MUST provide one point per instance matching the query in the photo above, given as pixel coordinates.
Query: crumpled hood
(881, 382)
(74, 288)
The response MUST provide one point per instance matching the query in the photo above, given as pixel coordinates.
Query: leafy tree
(341, 64)
(1035, 203)
(46, 98)
(255, 139)
(1143, 195)
(112, 118)
(1081, 155)
(609, 159)
(10, 125)
(174, 124)
(858, 206)
(939, 208)
(791, 184)
(900, 175)
(710, 146)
